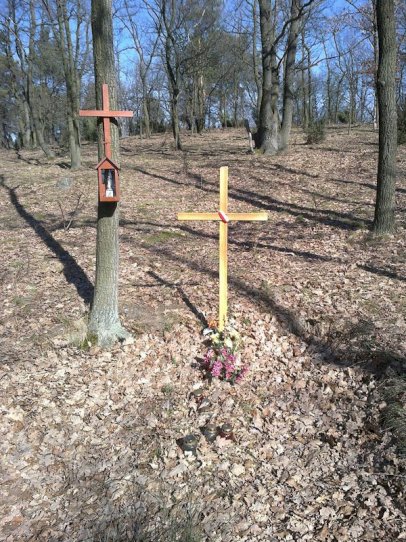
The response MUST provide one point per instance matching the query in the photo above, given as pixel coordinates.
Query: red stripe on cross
(224, 218)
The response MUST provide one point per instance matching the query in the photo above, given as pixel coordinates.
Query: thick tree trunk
(384, 221)
(288, 95)
(266, 138)
(104, 322)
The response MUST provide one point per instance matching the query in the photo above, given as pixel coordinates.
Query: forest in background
(191, 64)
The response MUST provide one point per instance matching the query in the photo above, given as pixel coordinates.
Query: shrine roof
(105, 159)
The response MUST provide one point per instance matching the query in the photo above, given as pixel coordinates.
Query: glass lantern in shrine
(109, 182)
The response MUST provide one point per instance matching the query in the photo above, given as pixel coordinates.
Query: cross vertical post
(223, 242)
(106, 121)
(223, 217)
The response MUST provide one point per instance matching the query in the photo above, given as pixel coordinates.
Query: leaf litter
(89, 438)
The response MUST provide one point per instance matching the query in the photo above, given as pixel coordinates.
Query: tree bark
(305, 87)
(384, 221)
(255, 67)
(288, 95)
(72, 84)
(172, 65)
(104, 322)
(266, 138)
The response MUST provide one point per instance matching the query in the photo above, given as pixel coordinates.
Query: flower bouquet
(221, 359)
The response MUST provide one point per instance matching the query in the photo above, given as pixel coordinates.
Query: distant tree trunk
(288, 95)
(147, 123)
(145, 111)
(29, 97)
(26, 122)
(384, 221)
(104, 322)
(375, 46)
(257, 75)
(64, 39)
(266, 138)
(200, 104)
(175, 117)
(168, 8)
(305, 87)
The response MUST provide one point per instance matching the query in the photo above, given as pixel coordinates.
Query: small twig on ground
(67, 225)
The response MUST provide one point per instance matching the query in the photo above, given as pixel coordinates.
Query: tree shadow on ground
(260, 244)
(199, 315)
(29, 161)
(328, 217)
(287, 318)
(366, 185)
(72, 271)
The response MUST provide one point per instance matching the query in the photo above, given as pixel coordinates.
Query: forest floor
(89, 437)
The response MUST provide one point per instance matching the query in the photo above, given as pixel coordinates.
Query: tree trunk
(305, 88)
(376, 60)
(72, 84)
(200, 104)
(384, 221)
(257, 75)
(27, 133)
(34, 105)
(145, 111)
(266, 138)
(172, 66)
(288, 95)
(104, 322)
(175, 119)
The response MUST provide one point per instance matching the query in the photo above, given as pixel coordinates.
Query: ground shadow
(286, 318)
(72, 271)
(328, 217)
(29, 161)
(199, 315)
(63, 165)
(260, 244)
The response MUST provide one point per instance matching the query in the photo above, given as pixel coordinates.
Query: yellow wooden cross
(223, 217)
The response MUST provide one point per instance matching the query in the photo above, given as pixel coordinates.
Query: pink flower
(216, 368)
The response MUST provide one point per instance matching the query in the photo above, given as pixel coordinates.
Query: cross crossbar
(106, 114)
(224, 217)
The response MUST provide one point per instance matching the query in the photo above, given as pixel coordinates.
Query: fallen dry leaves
(89, 437)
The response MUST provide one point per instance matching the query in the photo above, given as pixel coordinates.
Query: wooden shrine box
(109, 181)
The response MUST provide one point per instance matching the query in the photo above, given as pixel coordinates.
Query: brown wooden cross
(223, 216)
(106, 114)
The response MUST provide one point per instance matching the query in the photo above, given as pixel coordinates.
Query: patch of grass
(18, 264)
(19, 300)
(167, 389)
(161, 237)
(300, 219)
(40, 217)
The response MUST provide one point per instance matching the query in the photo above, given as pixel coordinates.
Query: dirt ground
(89, 437)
